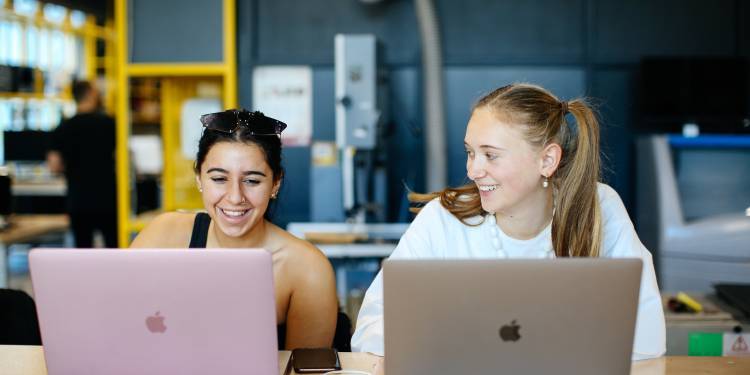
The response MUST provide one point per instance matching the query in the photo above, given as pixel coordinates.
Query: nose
(235, 194)
(474, 169)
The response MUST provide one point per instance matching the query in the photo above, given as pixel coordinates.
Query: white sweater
(436, 233)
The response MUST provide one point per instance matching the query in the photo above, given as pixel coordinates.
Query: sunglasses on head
(256, 122)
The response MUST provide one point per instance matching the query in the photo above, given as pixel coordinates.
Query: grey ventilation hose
(432, 65)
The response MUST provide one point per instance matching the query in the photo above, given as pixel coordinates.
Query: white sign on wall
(285, 93)
(191, 128)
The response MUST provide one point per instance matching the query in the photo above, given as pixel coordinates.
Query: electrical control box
(357, 111)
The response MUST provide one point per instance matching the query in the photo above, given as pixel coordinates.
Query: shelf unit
(178, 82)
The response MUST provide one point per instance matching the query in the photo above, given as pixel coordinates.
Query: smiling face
(506, 168)
(237, 184)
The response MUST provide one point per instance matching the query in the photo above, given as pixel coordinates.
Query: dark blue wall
(175, 31)
(573, 47)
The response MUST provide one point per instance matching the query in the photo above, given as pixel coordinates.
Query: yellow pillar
(230, 54)
(123, 126)
(89, 47)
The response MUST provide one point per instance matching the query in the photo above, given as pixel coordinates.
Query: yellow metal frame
(89, 43)
(230, 54)
(178, 82)
(110, 69)
(23, 95)
(168, 116)
(176, 70)
(123, 125)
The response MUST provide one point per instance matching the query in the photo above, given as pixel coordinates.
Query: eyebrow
(245, 173)
(492, 147)
(486, 146)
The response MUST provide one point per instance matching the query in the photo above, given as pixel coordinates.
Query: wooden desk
(56, 187)
(29, 360)
(24, 228)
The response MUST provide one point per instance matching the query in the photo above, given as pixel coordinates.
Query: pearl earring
(545, 183)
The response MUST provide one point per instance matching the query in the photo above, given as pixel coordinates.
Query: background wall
(573, 47)
(184, 42)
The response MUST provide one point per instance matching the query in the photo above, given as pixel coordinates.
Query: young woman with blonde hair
(534, 193)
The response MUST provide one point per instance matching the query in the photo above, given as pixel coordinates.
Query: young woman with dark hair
(239, 173)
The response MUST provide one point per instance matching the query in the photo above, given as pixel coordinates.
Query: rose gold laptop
(490, 316)
(174, 311)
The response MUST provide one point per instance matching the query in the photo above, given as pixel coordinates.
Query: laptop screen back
(171, 311)
(557, 316)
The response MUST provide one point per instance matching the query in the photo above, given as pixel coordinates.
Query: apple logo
(509, 332)
(155, 323)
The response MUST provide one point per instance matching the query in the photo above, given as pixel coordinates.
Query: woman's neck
(528, 218)
(256, 237)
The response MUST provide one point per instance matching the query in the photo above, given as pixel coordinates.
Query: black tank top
(198, 240)
(200, 231)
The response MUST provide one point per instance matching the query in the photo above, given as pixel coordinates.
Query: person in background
(239, 173)
(534, 193)
(83, 148)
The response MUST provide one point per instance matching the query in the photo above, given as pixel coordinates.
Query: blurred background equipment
(359, 109)
(692, 193)
(693, 159)
(349, 178)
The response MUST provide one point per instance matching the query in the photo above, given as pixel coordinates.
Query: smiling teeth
(487, 187)
(233, 213)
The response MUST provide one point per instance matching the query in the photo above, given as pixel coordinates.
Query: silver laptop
(553, 316)
(156, 311)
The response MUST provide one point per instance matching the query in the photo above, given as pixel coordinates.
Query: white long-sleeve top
(436, 233)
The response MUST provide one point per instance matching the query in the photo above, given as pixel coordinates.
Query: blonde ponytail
(576, 225)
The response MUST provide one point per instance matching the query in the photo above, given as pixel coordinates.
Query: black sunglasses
(256, 122)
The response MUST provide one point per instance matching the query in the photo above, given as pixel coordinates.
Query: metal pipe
(432, 65)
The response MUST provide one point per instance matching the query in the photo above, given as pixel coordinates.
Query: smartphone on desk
(315, 360)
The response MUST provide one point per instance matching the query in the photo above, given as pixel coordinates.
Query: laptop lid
(172, 311)
(557, 316)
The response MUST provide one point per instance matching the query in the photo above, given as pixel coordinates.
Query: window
(4, 42)
(32, 47)
(54, 13)
(26, 7)
(77, 18)
(15, 36)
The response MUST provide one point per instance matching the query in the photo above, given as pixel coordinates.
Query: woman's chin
(490, 207)
(236, 230)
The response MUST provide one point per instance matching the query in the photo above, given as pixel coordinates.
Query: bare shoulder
(300, 256)
(168, 230)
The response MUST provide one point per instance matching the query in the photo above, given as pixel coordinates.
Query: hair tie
(564, 106)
